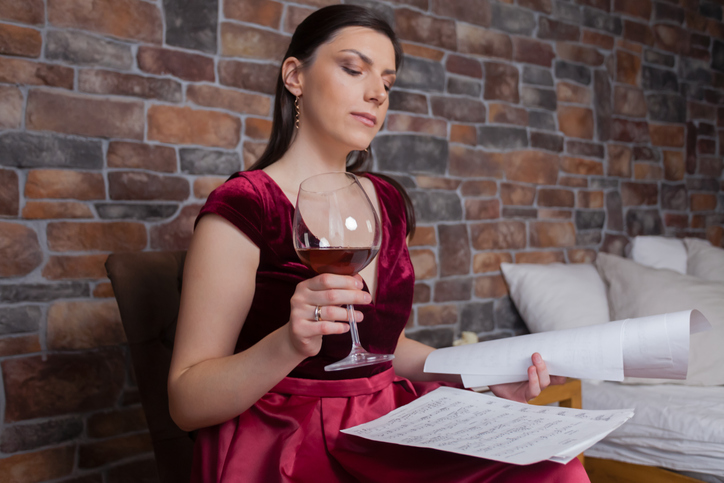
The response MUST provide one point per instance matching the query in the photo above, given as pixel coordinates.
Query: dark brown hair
(318, 28)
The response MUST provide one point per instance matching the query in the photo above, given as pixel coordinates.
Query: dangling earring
(296, 108)
(367, 149)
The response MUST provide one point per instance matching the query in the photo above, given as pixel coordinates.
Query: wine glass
(336, 230)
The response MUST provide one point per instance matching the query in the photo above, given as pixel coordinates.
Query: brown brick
(482, 209)
(507, 114)
(295, 15)
(532, 167)
(262, 12)
(517, 194)
(542, 258)
(479, 188)
(637, 32)
(22, 41)
(84, 116)
(204, 186)
(20, 251)
(498, 235)
(676, 220)
(703, 202)
(460, 133)
(437, 315)
(553, 214)
(582, 255)
(490, 261)
(590, 199)
(545, 6)
(75, 267)
(424, 236)
(184, 65)
(437, 183)
(671, 38)
(638, 8)
(44, 465)
(11, 107)
(581, 166)
(183, 125)
(598, 39)
(126, 19)
(555, 197)
(113, 423)
(141, 156)
(424, 263)
(25, 11)
(249, 75)
(422, 295)
(550, 29)
(715, 235)
(470, 11)
(23, 344)
(18, 71)
(138, 185)
(108, 82)
(62, 183)
(575, 121)
(568, 92)
(699, 110)
(252, 151)
(422, 51)
(10, 193)
(628, 131)
(667, 135)
(417, 27)
(175, 235)
(479, 41)
(39, 210)
(533, 51)
(103, 290)
(454, 251)
(573, 182)
(546, 234)
(84, 325)
(424, 125)
(578, 53)
(108, 237)
(674, 166)
(648, 171)
(256, 128)
(628, 68)
(470, 162)
(93, 455)
(458, 109)
(57, 384)
(252, 43)
(636, 194)
(453, 289)
(211, 96)
(490, 287)
(458, 64)
(629, 101)
(619, 161)
(710, 166)
(631, 46)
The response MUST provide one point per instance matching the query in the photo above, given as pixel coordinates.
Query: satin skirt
(292, 434)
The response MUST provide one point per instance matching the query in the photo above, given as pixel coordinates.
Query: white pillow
(557, 296)
(659, 252)
(638, 291)
(704, 260)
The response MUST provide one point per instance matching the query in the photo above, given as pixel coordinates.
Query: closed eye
(350, 71)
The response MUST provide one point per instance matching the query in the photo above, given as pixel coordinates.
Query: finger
(558, 380)
(329, 328)
(533, 383)
(333, 313)
(544, 378)
(328, 281)
(337, 297)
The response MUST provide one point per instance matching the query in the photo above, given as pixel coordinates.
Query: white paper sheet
(656, 347)
(479, 425)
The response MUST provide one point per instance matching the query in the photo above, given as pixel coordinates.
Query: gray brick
(666, 107)
(134, 211)
(466, 87)
(438, 338)
(602, 104)
(589, 220)
(192, 24)
(602, 21)
(588, 238)
(542, 120)
(582, 148)
(477, 317)
(23, 437)
(499, 137)
(25, 150)
(512, 19)
(421, 74)
(654, 57)
(574, 72)
(654, 79)
(717, 56)
(547, 141)
(83, 49)
(711, 10)
(202, 161)
(383, 10)
(696, 70)
(42, 292)
(408, 102)
(17, 320)
(674, 197)
(643, 223)
(507, 316)
(537, 97)
(410, 153)
(565, 11)
(537, 75)
(614, 210)
(436, 206)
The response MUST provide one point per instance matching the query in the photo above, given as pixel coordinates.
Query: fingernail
(358, 284)
(368, 298)
(537, 358)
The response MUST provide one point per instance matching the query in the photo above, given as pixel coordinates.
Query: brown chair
(147, 286)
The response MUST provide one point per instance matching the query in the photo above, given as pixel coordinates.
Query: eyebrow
(369, 61)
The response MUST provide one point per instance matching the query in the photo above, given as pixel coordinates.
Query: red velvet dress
(292, 433)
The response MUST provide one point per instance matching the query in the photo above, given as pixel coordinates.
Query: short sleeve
(239, 202)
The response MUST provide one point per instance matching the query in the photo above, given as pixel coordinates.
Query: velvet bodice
(256, 205)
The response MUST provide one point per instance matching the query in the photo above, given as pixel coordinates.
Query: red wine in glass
(337, 230)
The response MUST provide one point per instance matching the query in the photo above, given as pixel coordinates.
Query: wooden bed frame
(601, 470)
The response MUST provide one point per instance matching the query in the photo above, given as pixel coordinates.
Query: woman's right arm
(209, 384)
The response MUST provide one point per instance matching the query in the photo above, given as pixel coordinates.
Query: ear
(292, 75)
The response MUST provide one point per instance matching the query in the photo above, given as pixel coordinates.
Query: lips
(368, 120)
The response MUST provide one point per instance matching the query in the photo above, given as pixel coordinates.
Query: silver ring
(317, 313)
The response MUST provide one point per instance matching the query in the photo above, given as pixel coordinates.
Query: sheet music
(655, 346)
(485, 426)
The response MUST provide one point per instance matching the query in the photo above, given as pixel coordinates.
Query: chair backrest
(147, 286)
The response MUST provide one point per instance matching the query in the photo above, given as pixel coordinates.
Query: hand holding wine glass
(336, 230)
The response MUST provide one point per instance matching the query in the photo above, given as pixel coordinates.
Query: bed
(677, 433)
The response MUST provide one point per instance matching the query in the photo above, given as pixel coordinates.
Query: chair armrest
(567, 395)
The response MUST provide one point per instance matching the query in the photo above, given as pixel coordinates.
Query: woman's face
(345, 88)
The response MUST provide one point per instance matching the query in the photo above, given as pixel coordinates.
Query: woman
(247, 318)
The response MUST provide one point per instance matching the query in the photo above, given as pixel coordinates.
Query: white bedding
(675, 427)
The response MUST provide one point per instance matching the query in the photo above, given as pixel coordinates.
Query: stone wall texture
(527, 131)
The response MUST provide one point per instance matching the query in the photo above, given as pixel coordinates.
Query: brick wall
(525, 130)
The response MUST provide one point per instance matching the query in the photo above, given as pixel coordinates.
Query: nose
(376, 91)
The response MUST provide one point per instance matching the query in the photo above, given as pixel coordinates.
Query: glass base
(358, 358)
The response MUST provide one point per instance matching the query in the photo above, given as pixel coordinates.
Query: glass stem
(353, 328)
